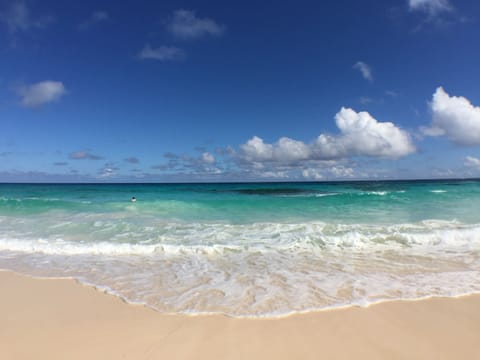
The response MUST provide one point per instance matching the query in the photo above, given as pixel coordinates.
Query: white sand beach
(61, 319)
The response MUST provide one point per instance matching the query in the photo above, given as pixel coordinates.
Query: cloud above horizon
(360, 135)
(454, 117)
(41, 93)
(185, 25)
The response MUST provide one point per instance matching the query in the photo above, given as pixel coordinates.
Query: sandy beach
(61, 319)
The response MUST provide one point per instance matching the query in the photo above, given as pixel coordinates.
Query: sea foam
(265, 269)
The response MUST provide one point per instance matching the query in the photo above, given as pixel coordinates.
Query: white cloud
(284, 150)
(208, 158)
(17, 18)
(41, 93)
(431, 7)
(364, 69)
(162, 53)
(454, 117)
(185, 25)
(328, 170)
(360, 135)
(342, 171)
(473, 162)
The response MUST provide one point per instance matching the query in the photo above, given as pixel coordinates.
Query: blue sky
(239, 91)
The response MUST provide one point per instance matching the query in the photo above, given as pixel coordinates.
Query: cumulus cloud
(336, 171)
(284, 150)
(455, 117)
(41, 93)
(360, 135)
(431, 7)
(84, 155)
(162, 53)
(186, 25)
(96, 17)
(364, 69)
(17, 17)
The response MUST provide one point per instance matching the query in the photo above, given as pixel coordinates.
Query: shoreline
(62, 318)
(268, 316)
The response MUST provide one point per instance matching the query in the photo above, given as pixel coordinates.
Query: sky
(167, 91)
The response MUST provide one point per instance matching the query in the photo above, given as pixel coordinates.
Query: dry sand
(61, 319)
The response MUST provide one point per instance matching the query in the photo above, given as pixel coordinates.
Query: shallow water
(249, 249)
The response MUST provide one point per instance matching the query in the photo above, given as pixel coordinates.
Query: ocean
(249, 249)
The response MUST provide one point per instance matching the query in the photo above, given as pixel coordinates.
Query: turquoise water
(256, 249)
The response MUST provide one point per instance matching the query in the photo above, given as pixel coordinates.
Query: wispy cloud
(108, 170)
(162, 53)
(364, 69)
(60, 163)
(431, 7)
(41, 93)
(184, 24)
(437, 13)
(95, 18)
(472, 162)
(84, 155)
(17, 18)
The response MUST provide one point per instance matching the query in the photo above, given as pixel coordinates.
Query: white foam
(258, 237)
(262, 269)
